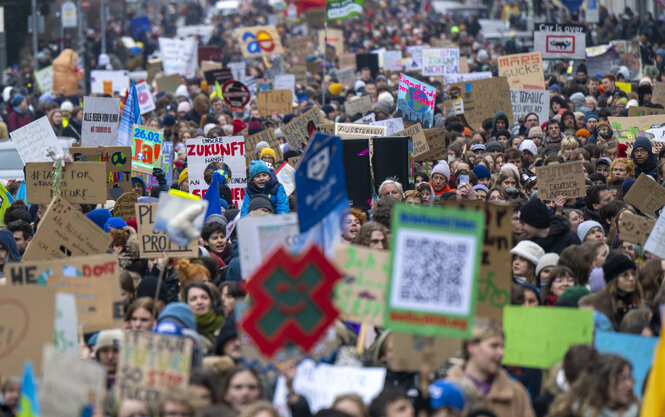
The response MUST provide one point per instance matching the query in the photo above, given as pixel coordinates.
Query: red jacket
(18, 120)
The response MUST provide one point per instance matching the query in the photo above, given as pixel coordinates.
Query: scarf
(209, 323)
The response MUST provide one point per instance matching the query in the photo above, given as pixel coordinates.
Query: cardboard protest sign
(644, 111)
(658, 96)
(33, 141)
(478, 99)
(299, 72)
(523, 71)
(560, 41)
(44, 79)
(392, 125)
(366, 382)
(146, 148)
(440, 61)
(656, 241)
(154, 66)
(292, 300)
(561, 179)
(100, 121)
(66, 324)
(146, 103)
(295, 131)
(220, 75)
(410, 351)
(85, 384)
(179, 56)
(362, 105)
(635, 228)
(627, 129)
(365, 120)
(351, 130)
(118, 166)
(437, 142)
(80, 182)
(461, 78)
(266, 135)
(415, 101)
(294, 161)
(360, 296)
(125, 206)
(646, 194)
(299, 48)
(155, 244)
(417, 135)
(201, 152)
(532, 345)
(347, 61)
(258, 41)
(441, 300)
(26, 318)
(119, 81)
(147, 380)
(64, 231)
(392, 61)
(638, 350)
(335, 39)
(168, 83)
(530, 101)
(275, 101)
(210, 66)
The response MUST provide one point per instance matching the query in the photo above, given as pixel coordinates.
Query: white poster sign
(33, 140)
(440, 61)
(179, 56)
(66, 324)
(560, 41)
(146, 103)
(119, 80)
(101, 116)
(530, 101)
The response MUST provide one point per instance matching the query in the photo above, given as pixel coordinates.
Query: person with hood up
(263, 181)
(552, 234)
(644, 159)
(8, 250)
(500, 122)
(427, 192)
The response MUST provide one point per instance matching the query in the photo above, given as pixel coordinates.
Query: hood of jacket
(498, 114)
(7, 240)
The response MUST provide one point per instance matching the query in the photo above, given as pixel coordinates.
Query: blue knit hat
(114, 223)
(181, 312)
(99, 217)
(258, 167)
(585, 227)
(17, 100)
(642, 142)
(591, 116)
(625, 186)
(444, 393)
(481, 171)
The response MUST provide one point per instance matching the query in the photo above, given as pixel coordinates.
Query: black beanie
(615, 265)
(260, 201)
(535, 214)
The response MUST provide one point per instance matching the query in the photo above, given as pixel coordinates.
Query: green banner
(343, 9)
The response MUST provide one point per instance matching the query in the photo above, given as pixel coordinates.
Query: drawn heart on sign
(66, 251)
(11, 338)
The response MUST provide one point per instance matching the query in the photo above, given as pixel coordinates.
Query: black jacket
(559, 237)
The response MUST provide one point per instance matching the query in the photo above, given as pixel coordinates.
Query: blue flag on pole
(28, 404)
(130, 116)
(215, 203)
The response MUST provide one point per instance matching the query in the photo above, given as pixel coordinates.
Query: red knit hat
(238, 125)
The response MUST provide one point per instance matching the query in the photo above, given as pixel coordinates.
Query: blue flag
(28, 404)
(215, 203)
(130, 116)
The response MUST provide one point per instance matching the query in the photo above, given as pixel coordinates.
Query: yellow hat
(268, 151)
(183, 176)
(335, 89)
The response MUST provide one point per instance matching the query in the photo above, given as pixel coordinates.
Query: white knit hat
(529, 145)
(549, 259)
(528, 250)
(442, 168)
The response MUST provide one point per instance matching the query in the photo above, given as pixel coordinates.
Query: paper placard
(275, 101)
(523, 71)
(393, 125)
(146, 148)
(560, 41)
(644, 111)
(119, 80)
(44, 79)
(299, 48)
(417, 135)
(440, 61)
(415, 101)
(530, 101)
(462, 78)
(147, 380)
(645, 194)
(66, 324)
(635, 228)
(347, 61)
(328, 129)
(179, 56)
(295, 131)
(350, 130)
(392, 61)
(362, 105)
(63, 232)
(561, 179)
(26, 317)
(299, 72)
(125, 206)
(365, 120)
(656, 241)
(155, 244)
(266, 135)
(258, 41)
(168, 83)
(478, 99)
(146, 103)
(335, 39)
(118, 166)
(627, 129)
(81, 182)
(658, 96)
(100, 121)
(285, 82)
(34, 139)
(409, 351)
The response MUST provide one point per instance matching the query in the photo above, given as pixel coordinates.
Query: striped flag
(130, 115)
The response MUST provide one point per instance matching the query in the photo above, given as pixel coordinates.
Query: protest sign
(149, 365)
(625, 87)
(370, 61)
(203, 32)
(441, 300)
(599, 58)
(84, 385)
(393, 125)
(79, 182)
(118, 166)
(100, 121)
(167, 167)
(125, 206)
(459, 78)
(258, 41)
(209, 53)
(66, 325)
(392, 61)
(365, 120)
(646, 195)
(285, 82)
(295, 131)
(658, 96)
(291, 300)
(299, 48)
(629, 57)
(294, 161)
(286, 175)
(146, 148)
(656, 241)
(119, 81)
(362, 105)
(346, 77)
(236, 95)
(220, 75)
(476, 99)
(211, 66)
(415, 101)
(636, 111)
(627, 129)
(335, 39)
(299, 72)
(33, 141)
(146, 103)
(168, 83)
(417, 135)
(414, 61)
(523, 71)
(360, 296)
(412, 351)
(155, 244)
(44, 79)
(351, 130)
(267, 135)
(347, 61)
(532, 345)
(154, 66)
(561, 179)
(440, 61)
(238, 69)
(201, 152)
(437, 142)
(179, 56)
(275, 101)
(366, 382)
(530, 101)
(64, 231)
(560, 41)
(26, 318)
(259, 236)
(638, 350)
(635, 228)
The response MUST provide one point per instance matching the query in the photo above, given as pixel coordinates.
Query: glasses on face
(640, 151)
(567, 280)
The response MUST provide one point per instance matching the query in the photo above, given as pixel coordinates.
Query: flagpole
(325, 50)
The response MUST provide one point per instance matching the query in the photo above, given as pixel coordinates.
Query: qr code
(433, 272)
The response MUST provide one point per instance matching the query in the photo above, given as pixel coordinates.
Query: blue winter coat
(273, 189)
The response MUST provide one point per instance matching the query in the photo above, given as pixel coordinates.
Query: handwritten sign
(523, 71)
(560, 41)
(63, 232)
(267, 135)
(258, 41)
(415, 101)
(440, 61)
(646, 194)
(154, 244)
(81, 182)
(295, 131)
(299, 48)
(360, 295)
(658, 93)
(409, 351)
(635, 228)
(33, 140)
(346, 77)
(392, 60)
(636, 111)
(393, 125)
(44, 79)
(101, 116)
(529, 101)
(362, 105)
(146, 103)
(275, 101)
(26, 320)
(299, 72)
(350, 130)
(118, 166)
(143, 379)
(179, 56)
(146, 149)
(627, 129)
(561, 179)
(417, 135)
(476, 99)
(125, 206)
(286, 175)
